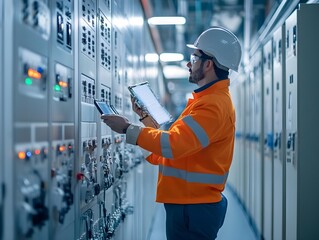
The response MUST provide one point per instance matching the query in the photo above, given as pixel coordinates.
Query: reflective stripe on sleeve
(165, 145)
(206, 178)
(197, 130)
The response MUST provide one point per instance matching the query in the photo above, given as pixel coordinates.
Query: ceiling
(200, 15)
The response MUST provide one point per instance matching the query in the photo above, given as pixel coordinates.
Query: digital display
(104, 108)
(147, 100)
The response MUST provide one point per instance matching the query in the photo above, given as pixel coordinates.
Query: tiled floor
(236, 225)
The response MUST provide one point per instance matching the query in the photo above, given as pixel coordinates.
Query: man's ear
(209, 64)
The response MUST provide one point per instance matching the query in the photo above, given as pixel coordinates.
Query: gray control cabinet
(1, 124)
(66, 174)
(257, 146)
(248, 145)
(279, 131)
(302, 116)
(62, 120)
(30, 99)
(267, 139)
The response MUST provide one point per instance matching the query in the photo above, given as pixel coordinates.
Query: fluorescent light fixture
(121, 22)
(136, 21)
(171, 57)
(166, 21)
(151, 57)
(175, 72)
(132, 58)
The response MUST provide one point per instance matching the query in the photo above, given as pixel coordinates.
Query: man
(195, 154)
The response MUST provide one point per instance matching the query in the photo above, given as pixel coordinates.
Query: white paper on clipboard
(147, 100)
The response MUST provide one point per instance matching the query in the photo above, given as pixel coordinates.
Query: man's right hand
(117, 123)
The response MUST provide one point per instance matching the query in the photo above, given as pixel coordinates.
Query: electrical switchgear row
(63, 173)
(276, 161)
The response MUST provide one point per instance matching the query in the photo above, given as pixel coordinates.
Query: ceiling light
(171, 57)
(175, 72)
(136, 21)
(166, 20)
(151, 57)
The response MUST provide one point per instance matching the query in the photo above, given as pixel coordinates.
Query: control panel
(64, 26)
(33, 70)
(105, 42)
(87, 29)
(32, 189)
(63, 86)
(2, 186)
(72, 176)
(36, 14)
(88, 90)
(88, 175)
(62, 172)
(279, 129)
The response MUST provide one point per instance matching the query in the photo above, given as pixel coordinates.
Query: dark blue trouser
(194, 221)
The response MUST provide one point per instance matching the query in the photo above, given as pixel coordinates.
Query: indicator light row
(25, 155)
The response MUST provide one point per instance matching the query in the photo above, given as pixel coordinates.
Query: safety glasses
(194, 58)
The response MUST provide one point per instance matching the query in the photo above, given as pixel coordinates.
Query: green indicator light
(28, 81)
(57, 88)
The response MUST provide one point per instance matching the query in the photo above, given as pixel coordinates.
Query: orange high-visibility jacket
(195, 154)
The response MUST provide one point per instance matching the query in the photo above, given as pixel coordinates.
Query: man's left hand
(117, 123)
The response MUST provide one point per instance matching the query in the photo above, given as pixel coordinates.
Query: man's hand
(117, 123)
(136, 108)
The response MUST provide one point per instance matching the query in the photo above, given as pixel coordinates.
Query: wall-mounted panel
(248, 143)
(88, 185)
(1, 124)
(62, 120)
(257, 141)
(267, 139)
(243, 164)
(279, 132)
(66, 174)
(237, 176)
(301, 123)
(31, 34)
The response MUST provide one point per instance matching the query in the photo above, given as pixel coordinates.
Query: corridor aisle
(236, 225)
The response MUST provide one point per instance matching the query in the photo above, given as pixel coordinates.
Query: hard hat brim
(192, 46)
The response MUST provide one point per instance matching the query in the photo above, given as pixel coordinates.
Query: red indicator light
(21, 155)
(34, 73)
(37, 152)
(79, 176)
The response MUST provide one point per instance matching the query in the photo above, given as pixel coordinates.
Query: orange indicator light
(63, 84)
(34, 73)
(61, 148)
(21, 155)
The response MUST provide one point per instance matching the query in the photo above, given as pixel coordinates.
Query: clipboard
(148, 102)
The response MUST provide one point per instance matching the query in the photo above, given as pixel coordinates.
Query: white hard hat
(222, 45)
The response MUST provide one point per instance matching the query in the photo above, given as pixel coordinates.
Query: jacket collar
(211, 87)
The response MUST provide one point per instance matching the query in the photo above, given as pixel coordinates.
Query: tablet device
(146, 99)
(105, 108)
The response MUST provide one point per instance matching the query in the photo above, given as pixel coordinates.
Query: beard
(197, 75)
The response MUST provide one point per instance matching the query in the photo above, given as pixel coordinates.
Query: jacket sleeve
(188, 135)
(153, 159)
